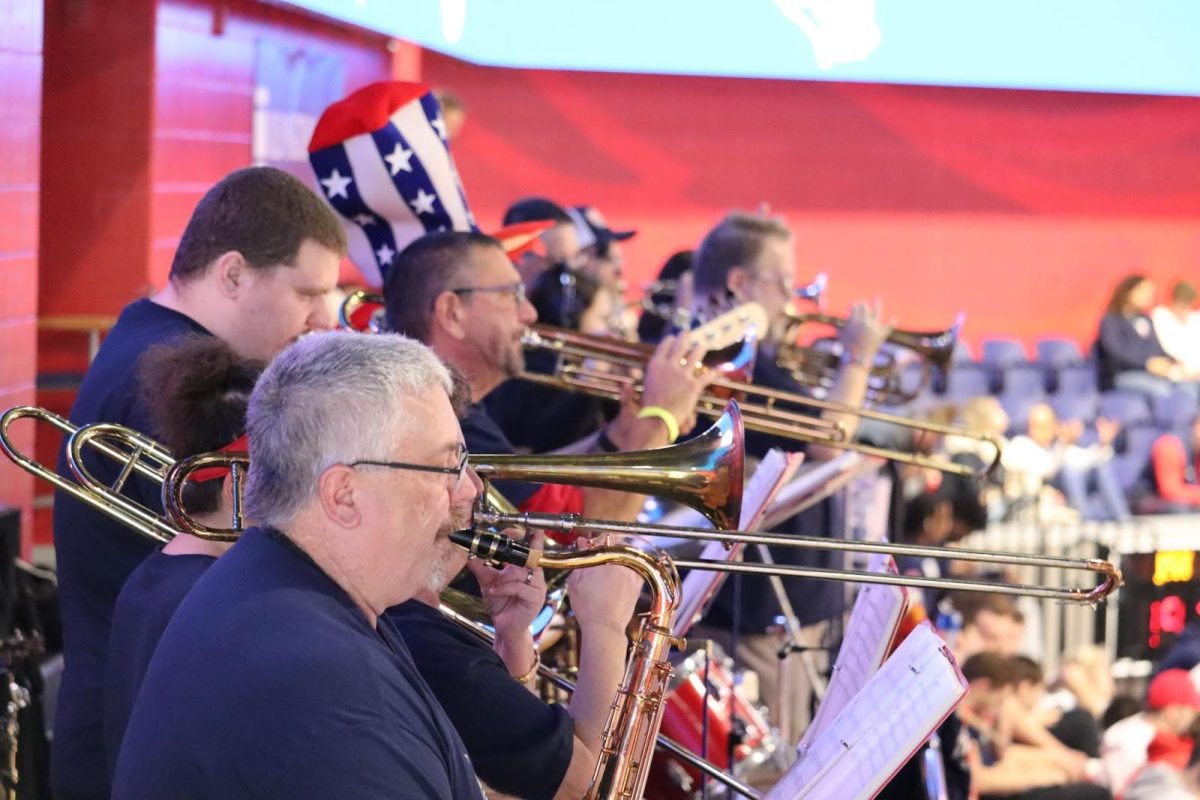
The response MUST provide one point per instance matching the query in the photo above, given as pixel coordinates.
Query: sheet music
(874, 619)
(699, 586)
(880, 729)
(817, 483)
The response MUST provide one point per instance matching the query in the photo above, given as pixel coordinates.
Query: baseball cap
(1172, 687)
(593, 228)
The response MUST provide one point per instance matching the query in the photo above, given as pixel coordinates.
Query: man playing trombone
(459, 293)
(278, 677)
(751, 258)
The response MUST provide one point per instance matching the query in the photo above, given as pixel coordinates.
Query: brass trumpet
(662, 299)
(814, 366)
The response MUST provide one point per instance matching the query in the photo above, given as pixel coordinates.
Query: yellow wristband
(667, 418)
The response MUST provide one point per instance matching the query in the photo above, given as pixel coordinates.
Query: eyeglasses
(458, 471)
(514, 290)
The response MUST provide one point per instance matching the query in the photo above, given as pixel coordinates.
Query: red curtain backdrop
(1021, 208)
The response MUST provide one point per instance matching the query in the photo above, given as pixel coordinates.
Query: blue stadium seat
(1025, 379)
(1058, 353)
(1127, 407)
(1176, 410)
(1133, 454)
(1079, 379)
(1076, 406)
(1001, 354)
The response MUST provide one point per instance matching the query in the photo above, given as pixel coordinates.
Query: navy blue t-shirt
(95, 553)
(562, 417)
(144, 607)
(269, 682)
(520, 745)
(483, 435)
(813, 600)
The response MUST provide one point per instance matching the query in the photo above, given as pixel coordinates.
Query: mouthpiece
(496, 547)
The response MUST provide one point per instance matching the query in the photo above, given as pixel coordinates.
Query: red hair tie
(238, 445)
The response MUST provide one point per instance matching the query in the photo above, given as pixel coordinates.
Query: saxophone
(627, 743)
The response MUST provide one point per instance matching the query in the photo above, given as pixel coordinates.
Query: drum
(757, 748)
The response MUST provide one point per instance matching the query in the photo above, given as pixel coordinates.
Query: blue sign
(1148, 47)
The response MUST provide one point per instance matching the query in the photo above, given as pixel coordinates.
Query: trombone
(772, 411)
(813, 366)
(585, 364)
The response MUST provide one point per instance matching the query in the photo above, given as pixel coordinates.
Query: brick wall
(20, 115)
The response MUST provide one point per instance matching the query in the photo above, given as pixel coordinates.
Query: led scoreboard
(1160, 596)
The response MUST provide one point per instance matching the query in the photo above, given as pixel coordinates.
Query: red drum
(757, 747)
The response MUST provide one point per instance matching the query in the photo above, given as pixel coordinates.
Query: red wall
(147, 104)
(1022, 208)
(20, 115)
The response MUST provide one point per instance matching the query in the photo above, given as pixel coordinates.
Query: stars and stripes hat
(383, 162)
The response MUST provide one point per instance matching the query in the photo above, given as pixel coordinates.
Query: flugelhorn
(815, 366)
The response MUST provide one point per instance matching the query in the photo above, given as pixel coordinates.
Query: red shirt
(1169, 461)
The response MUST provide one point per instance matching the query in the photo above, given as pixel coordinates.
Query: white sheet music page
(881, 727)
(874, 620)
(700, 586)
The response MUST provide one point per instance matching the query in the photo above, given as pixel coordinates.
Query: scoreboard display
(1159, 598)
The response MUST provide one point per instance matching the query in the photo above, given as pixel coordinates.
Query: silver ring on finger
(528, 576)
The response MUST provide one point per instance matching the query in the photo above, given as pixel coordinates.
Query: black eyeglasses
(457, 471)
(514, 290)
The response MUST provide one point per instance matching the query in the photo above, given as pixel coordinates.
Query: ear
(737, 281)
(450, 315)
(231, 271)
(336, 488)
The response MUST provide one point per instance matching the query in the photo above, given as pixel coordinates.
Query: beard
(444, 551)
(511, 358)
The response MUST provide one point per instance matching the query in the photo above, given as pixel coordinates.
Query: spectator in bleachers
(1049, 457)
(1172, 706)
(1173, 473)
(1177, 325)
(1084, 682)
(1129, 353)
(1000, 767)
(990, 623)
(1076, 729)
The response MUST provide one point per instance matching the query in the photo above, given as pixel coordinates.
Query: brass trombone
(585, 364)
(781, 413)
(814, 366)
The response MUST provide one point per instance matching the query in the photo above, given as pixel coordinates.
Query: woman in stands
(1127, 348)
(197, 390)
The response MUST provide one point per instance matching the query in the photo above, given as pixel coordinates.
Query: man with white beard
(277, 677)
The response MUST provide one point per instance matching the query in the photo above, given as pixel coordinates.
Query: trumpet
(813, 366)
(669, 299)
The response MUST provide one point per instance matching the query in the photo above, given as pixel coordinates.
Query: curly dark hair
(197, 389)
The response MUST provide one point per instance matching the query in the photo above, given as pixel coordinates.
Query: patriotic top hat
(383, 163)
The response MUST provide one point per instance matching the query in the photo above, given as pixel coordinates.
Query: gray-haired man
(276, 677)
